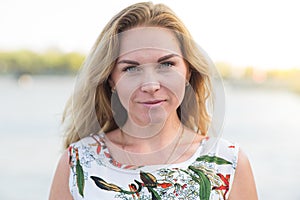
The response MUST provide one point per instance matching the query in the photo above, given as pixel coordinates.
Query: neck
(149, 138)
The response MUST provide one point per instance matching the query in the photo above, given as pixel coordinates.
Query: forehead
(148, 38)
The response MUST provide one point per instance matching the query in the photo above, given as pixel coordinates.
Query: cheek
(175, 83)
(177, 91)
(126, 90)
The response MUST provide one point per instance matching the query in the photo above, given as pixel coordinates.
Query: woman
(137, 124)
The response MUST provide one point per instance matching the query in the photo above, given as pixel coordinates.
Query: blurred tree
(74, 61)
(224, 69)
(52, 61)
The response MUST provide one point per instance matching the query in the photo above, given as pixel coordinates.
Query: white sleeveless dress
(207, 175)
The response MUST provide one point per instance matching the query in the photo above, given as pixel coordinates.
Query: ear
(188, 74)
(111, 83)
(188, 70)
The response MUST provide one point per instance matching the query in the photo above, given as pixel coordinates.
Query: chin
(148, 119)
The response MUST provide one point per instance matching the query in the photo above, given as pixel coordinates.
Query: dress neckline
(115, 165)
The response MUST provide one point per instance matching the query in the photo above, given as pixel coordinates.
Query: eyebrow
(129, 62)
(166, 57)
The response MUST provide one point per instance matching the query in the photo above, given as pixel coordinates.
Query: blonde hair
(89, 109)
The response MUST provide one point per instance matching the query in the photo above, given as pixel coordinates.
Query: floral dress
(207, 175)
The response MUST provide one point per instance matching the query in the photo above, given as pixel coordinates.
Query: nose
(150, 79)
(150, 87)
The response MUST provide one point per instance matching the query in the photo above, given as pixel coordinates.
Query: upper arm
(60, 185)
(243, 186)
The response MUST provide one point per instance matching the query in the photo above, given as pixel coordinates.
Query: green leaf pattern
(213, 159)
(196, 175)
(197, 181)
(80, 178)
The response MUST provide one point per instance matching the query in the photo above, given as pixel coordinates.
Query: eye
(131, 69)
(166, 64)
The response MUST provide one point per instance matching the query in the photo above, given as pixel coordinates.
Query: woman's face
(149, 75)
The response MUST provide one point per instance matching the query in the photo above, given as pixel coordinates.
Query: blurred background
(254, 44)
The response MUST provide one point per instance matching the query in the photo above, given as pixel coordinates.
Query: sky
(259, 33)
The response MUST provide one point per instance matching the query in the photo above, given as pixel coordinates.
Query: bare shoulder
(192, 137)
(60, 184)
(114, 137)
(189, 144)
(243, 186)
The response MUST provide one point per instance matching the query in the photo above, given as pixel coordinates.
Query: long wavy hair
(89, 108)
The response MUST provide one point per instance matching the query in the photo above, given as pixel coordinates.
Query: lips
(153, 102)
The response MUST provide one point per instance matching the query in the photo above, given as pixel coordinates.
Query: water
(264, 122)
(31, 136)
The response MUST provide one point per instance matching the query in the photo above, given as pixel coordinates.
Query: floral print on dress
(174, 183)
(203, 179)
